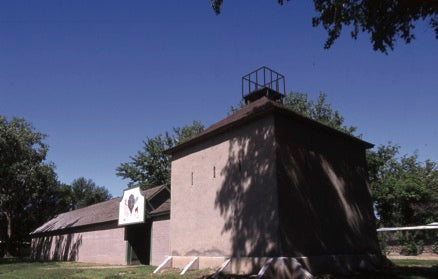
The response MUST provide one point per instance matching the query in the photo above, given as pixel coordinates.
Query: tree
(85, 192)
(405, 190)
(385, 20)
(185, 133)
(150, 166)
(47, 199)
(27, 182)
(318, 110)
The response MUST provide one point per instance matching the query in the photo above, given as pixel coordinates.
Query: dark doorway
(139, 243)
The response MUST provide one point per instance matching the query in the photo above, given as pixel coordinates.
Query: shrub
(383, 243)
(412, 248)
(435, 248)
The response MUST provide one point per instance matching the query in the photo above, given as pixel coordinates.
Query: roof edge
(162, 187)
(360, 141)
(33, 233)
(166, 212)
(257, 112)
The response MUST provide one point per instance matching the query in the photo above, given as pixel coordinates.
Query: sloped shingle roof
(94, 214)
(254, 110)
(97, 213)
(163, 208)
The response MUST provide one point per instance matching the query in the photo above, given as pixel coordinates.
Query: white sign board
(131, 208)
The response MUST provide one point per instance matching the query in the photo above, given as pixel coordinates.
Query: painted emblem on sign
(131, 208)
(131, 202)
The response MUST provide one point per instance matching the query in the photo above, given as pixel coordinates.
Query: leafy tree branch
(385, 20)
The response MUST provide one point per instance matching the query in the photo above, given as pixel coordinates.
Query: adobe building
(98, 233)
(264, 187)
(267, 182)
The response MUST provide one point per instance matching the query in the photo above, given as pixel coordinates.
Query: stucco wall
(160, 244)
(224, 200)
(95, 245)
(325, 204)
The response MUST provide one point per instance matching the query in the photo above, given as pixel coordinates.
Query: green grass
(58, 270)
(415, 262)
(403, 269)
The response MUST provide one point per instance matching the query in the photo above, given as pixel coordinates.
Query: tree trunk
(8, 234)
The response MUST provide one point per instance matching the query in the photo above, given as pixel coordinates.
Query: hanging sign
(131, 207)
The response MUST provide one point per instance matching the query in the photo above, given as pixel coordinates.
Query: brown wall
(101, 245)
(325, 205)
(160, 244)
(233, 213)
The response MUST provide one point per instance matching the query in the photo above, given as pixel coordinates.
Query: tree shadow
(247, 198)
(293, 190)
(57, 247)
(49, 246)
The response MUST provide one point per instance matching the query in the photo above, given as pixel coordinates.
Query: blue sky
(98, 77)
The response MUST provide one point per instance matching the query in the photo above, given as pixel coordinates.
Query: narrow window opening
(214, 171)
(192, 178)
(240, 166)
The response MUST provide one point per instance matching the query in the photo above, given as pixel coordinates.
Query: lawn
(403, 269)
(57, 270)
(415, 262)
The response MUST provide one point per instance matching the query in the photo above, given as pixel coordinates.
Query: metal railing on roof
(263, 77)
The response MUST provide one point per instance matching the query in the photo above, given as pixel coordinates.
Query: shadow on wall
(322, 182)
(63, 247)
(57, 248)
(247, 198)
(332, 201)
(285, 194)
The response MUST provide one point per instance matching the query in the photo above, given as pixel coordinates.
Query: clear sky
(98, 77)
